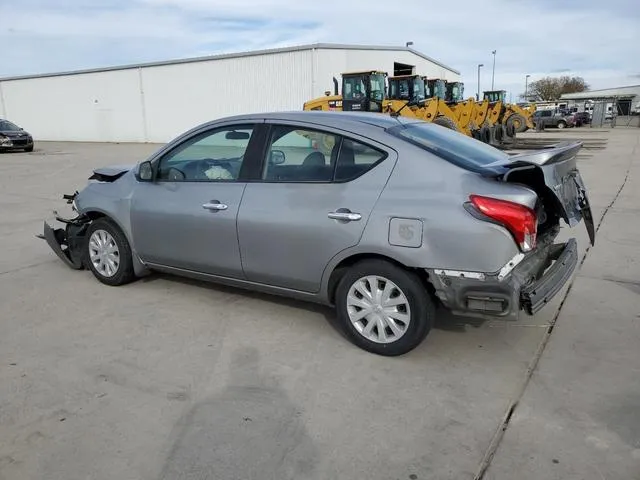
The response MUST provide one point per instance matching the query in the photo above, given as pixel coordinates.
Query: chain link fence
(614, 112)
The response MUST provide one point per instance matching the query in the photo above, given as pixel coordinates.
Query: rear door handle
(214, 206)
(345, 216)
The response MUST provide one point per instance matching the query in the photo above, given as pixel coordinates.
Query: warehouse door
(403, 69)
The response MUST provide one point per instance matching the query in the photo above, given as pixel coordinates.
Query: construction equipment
(515, 118)
(415, 90)
(431, 100)
(361, 91)
(365, 91)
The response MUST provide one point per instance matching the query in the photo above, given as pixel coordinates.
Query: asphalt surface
(175, 379)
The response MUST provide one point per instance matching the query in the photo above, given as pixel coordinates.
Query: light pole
(493, 72)
(526, 84)
(478, 94)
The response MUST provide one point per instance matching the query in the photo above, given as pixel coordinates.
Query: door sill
(239, 283)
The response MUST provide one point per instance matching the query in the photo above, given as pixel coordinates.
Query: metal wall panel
(102, 107)
(178, 97)
(156, 103)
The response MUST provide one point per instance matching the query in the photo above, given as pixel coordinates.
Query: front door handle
(345, 216)
(214, 206)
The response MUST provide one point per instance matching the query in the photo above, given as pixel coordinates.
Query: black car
(12, 137)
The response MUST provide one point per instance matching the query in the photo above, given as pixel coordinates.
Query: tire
(406, 287)
(561, 124)
(103, 231)
(29, 149)
(446, 122)
(485, 134)
(517, 122)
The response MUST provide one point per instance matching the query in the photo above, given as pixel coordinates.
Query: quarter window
(213, 156)
(354, 159)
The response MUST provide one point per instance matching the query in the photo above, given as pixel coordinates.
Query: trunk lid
(562, 178)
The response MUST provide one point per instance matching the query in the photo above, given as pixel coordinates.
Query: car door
(313, 200)
(186, 217)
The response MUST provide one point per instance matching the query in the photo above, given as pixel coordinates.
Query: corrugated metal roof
(627, 91)
(317, 46)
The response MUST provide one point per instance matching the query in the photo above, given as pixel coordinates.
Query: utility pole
(493, 73)
(478, 94)
(526, 82)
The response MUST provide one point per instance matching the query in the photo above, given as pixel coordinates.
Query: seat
(314, 159)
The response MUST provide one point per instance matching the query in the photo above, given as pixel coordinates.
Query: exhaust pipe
(335, 86)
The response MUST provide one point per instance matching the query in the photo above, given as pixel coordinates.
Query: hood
(110, 173)
(14, 133)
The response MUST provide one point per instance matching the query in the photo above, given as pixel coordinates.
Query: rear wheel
(108, 254)
(446, 122)
(383, 308)
(561, 124)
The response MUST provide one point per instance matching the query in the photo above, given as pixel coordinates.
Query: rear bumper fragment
(531, 283)
(537, 294)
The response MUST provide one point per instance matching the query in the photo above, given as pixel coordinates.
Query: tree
(550, 88)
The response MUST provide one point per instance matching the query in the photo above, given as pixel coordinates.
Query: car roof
(327, 118)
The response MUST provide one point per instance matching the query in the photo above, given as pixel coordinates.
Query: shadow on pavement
(251, 430)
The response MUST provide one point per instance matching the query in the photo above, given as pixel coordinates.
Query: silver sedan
(384, 218)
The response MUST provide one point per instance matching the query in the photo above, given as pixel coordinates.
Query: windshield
(495, 96)
(377, 87)
(418, 89)
(457, 92)
(452, 146)
(7, 126)
(354, 88)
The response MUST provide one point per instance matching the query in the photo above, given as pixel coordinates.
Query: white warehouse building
(154, 102)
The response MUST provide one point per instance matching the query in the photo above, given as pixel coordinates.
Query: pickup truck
(549, 118)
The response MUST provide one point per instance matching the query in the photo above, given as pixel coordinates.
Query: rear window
(459, 149)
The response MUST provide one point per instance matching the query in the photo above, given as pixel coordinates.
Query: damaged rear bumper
(526, 283)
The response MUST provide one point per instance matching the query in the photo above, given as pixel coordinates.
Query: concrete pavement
(174, 379)
(579, 417)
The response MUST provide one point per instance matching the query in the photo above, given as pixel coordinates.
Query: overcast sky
(598, 40)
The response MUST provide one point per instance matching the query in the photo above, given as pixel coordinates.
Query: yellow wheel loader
(417, 90)
(365, 91)
(515, 118)
(361, 91)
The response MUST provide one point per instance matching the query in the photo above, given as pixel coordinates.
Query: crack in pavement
(26, 267)
(504, 424)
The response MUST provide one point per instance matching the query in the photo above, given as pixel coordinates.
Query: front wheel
(108, 254)
(383, 308)
(29, 149)
(561, 124)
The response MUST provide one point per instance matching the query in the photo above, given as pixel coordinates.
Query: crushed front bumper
(527, 283)
(68, 241)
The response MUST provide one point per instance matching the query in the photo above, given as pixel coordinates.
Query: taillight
(518, 219)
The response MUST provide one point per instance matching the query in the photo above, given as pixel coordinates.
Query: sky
(597, 40)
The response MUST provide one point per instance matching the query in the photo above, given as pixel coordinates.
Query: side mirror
(277, 157)
(145, 172)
